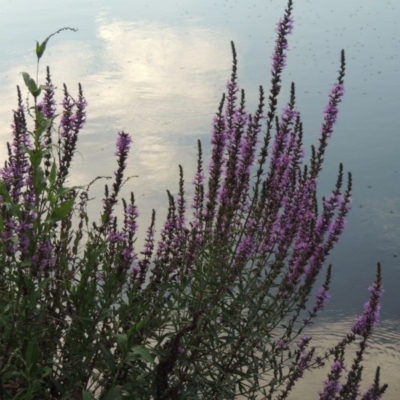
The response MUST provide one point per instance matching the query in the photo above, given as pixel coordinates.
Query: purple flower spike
(370, 317)
(376, 391)
(48, 105)
(281, 344)
(332, 385)
(123, 144)
(303, 343)
(131, 214)
(331, 110)
(321, 298)
(283, 28)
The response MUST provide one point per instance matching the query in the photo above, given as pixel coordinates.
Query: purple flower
(321, 298)
(16, 171)
(135, 269)
(331, 109)
(147, 252)
(303, 343)
(246, 248)
(43, 259)
(123, 143)
(127, 254)
(375, 391)
(67, 119)
(116, 237)
(72, 121)
(370, 317)
(332, 385)
(131, 214)
(48, 104)
(283, 28)
(218, 142)
(281, 344)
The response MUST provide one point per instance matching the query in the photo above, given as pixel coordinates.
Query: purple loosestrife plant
(215, 306)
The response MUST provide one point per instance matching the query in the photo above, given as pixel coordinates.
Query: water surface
(157, 69)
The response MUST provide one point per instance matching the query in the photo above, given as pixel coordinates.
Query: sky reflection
(157, 69)
(152, 80)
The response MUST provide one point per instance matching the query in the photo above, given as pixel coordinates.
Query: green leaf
(108, 357)
(43, 126)
(4, 192)
(31, 85)
(40, 48)
(35, 385)
(87, 395)
(114, 393)
(52, 199)
(122, 340)
(143, 352)
(32, 353)
(25, 264)
(53, 172)
(62, 211)
(39, 117)
(62, 191)
(131, 357)
(35, 157)
(46, 371)
(139, 325)
(40, 177)
(43, 283)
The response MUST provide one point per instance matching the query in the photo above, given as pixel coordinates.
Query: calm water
(157, 69)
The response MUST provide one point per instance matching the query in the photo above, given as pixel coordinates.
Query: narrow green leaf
(40, 48)
(143, 352)
(25, 264)
(131, 357)
(62, 191)
(4, 192)
(39, 117)
(36, 158)
(43, 283)
(53, 172)
(31, 85)
(139, 325)
(46, 371)
(62, 211)
(35, 385)
(87, 395)
(14, 374)
(122, 340)
(108, 357)
(43, 126)
(32, 353)
(39, 180)
(52, 199)
(114, 393)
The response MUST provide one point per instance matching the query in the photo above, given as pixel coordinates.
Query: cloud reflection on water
(159, 83)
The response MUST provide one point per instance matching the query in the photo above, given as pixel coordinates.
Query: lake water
(157, 69)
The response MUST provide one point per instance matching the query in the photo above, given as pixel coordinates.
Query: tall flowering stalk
(218, 304)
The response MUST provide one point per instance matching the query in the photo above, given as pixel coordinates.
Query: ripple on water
(383, 351)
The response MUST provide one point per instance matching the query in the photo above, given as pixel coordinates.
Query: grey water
(157, 68)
